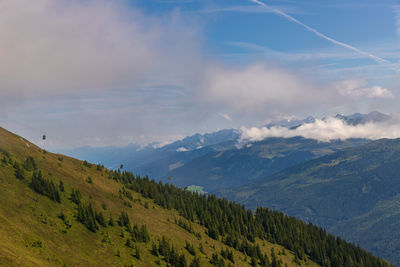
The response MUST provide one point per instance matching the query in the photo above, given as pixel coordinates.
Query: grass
(31, 234)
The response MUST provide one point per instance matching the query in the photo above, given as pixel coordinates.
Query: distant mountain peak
(291, 123)
(359, 118)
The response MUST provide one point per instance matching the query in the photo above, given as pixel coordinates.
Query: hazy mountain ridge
(291, 123)
(134, 156)
(178, 157)
(358, 118)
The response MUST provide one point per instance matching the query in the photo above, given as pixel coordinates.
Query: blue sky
(360, 23)
(118, 72)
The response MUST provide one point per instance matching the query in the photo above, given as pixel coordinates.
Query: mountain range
(295, 175)
(140, 159)
(56, 210)
(354, 193)
(218, 160)
(158, 161)
(239, 166)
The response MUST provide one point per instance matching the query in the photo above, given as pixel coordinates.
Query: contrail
(290, 18)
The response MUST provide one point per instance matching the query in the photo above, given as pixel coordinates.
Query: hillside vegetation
(55, 210)
(353, 193)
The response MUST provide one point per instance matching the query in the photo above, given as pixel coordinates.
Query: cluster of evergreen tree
(216, 260)
(227, 254)
(190, 248)
(6, 159)
(87, 164)
(238, 227)
(125, 193)
(123, 220)
(38, 183)
(137, 234)
(89, 217)
(188, 227)
(169, 253)
(76, 196)
(312, 241)
(30, 164)
(19, 169)
(252, 250)
(86, 214)
(19, 172)
(44, 186)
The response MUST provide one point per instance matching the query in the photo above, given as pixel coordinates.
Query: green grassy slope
(33, 234)
(354, 193)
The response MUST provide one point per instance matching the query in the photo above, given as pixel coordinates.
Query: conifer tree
(19, 171)
(61, 186)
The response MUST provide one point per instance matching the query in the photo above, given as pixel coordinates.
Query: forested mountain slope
(353, 193)
(55, 210)
(234, 167)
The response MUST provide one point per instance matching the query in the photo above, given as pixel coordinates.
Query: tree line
(239, 227)
(224, 220)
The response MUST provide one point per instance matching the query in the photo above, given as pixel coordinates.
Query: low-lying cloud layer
(326, 130)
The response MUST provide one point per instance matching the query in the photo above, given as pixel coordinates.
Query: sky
(101, 73)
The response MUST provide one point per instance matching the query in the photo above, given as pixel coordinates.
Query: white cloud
(262, 89)
(358, 88)
(78, 69)
(226, 117)
(265, 91)
(53, 46)
(181, 149)
(326, 130)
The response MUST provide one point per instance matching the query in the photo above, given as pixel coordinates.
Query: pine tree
(61, 186)
(44, 186)
(76, 196)
(111, 221)
(18, 171)
(137, 254)
(30, 164)
(195, 262)
(86, 216)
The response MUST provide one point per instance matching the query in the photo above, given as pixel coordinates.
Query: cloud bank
(358, 89)
(267, 91)
(57, 46)
(95, 72)
(326, 130)
(258, 87)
